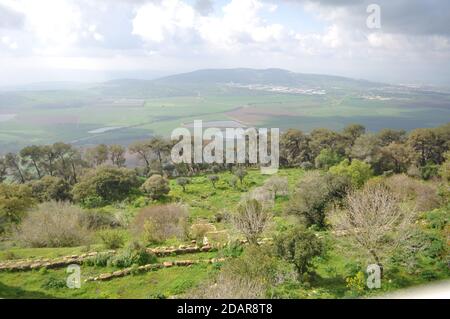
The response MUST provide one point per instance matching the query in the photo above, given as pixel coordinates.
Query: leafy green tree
(396, 157)
(299, 246)
(117, 155)
(327, 158)
(367, 149)
(183, 182)
(3, 170)
(51, 188)
(33, 155)
(15, 200)
(107, 183)
(160, 147)
(326, 139)
(97, 155)
(358, 171)
(445, 168)
(314, 194)
(389, 136)
(156, 187)
(12, 162)
(68, 162)
(294, 148)
(143, 151)
(429, 145)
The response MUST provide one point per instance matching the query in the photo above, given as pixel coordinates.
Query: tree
(326, 139)
(374, 221)
(143, 151)
(213, 179)
(278, 185)
(49, 158)
(117, 155)
(15, 200)
(12, 162)
(353, 131)
(251, 219)
(240, 173)
(156, 187)
(389, 136)
(294, 147)
(358, 171)
(3, 170)
(33, 155)
(97, 155)
(396, 157)
(367, 149)
(183, 182)
(68, 162)
(429, 145)
(160, 147)
(314, 194)
(51, 188)
(327, 158)
(106, 183)
(445, 169)
(299, 246)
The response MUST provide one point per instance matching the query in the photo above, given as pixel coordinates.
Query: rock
(105, 276)
(168, 264)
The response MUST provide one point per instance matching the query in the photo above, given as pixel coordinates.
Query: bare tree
(251, 219)
(374, 221)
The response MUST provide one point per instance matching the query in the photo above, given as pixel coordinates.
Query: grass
(204, 202)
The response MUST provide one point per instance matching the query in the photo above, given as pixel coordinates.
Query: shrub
(299, 247)
(159, 223)
(183, 182)
(134, 254)
(112, 239)
(98, 220)
(156, 187)
(99, 260)
(106, 184)
(357, 284)
(51, 188)
(198, 231)
(327, 158)
(243, 278)
(53, 283)
(54, 224)
(251, 219)
(279, 185)
(314, 194)
(423, 196)
(240, 173)
(358, 171)
(15, 200)
(213, 179)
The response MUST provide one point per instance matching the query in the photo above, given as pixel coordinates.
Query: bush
(156, 187)
(327, 158)
(279, 185)
(112, 239)
(105, 184)
(251, 219)
(159, 223)
(358, 171)
(198, 231)
(99, 260)
(213, 179)
(314, 194)
(15, 200)
(51, 188)
(54, 224)
(423, 196)
(134, 254)
(299, 247)
(183, 182)
(98, 220)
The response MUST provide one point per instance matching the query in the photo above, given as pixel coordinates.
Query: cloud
(204, 7)
(10, 19)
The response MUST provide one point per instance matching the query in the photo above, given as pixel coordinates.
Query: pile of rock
(151, 267)
(181, 250)
(30, 264)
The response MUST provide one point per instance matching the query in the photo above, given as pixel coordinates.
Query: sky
(99, 40)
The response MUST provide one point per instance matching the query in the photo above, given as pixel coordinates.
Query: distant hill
(214, 80)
